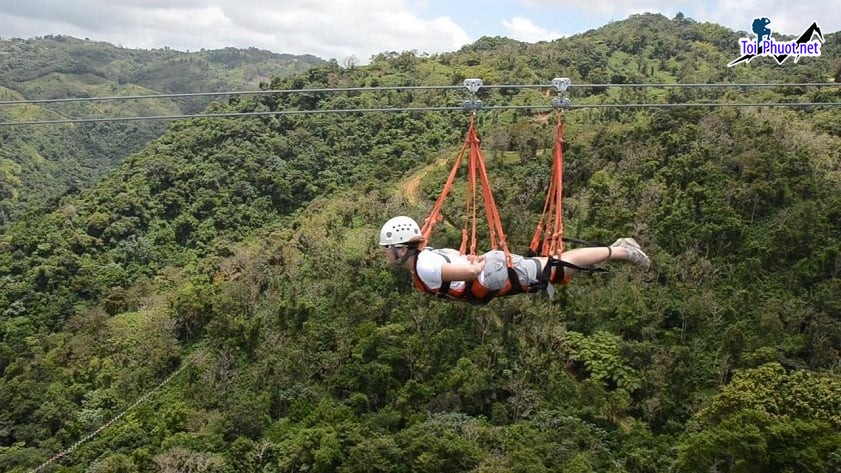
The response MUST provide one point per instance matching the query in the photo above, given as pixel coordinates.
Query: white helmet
(399, 231)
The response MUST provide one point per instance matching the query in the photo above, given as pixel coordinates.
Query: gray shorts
(495, 274)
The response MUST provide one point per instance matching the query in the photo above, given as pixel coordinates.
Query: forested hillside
(227, 277)
(38, 163)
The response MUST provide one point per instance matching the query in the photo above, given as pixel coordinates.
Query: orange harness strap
(548, 236)
(474, 292)
(476, 170)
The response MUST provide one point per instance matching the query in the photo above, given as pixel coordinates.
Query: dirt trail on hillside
(411, 188)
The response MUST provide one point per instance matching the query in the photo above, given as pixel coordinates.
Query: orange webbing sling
(548, 239)
(476, 170)
(548, 236)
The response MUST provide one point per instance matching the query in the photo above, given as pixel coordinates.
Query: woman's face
(392, 254)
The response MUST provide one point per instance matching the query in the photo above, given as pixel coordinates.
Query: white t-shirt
(428, 267)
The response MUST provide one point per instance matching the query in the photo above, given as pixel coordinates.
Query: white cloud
(523, 29)
(362, 28)
(612, 9)
(328, 29)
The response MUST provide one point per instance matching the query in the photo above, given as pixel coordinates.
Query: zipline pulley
(561, 84)
(473, 86)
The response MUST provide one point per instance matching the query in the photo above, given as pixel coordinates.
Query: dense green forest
(221, 294)
(40, 163)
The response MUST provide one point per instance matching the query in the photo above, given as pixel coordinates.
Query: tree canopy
(240, 254)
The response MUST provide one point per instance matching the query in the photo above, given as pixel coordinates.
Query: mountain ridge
(62, 67)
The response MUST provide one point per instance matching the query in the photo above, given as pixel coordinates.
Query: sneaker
(635, 253)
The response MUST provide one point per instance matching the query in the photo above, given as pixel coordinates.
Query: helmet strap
(395, 254)
(410, 252)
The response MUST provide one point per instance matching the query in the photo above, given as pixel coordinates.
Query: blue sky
(359, 29)
(567, 18)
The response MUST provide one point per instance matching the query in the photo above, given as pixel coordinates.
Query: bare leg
(586, 257)
(591, 256)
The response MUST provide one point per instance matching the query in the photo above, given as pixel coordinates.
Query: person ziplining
(463, 274)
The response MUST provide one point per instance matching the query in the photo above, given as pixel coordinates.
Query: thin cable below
(410, 88)
(411, 109)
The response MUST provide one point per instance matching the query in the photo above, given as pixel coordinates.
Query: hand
(478, 261)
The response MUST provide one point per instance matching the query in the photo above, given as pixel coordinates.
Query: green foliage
(50, 161)
(753, 441)
(249, 245)
(767, 420)
(769, 389)
(600, 355)
(442, 443)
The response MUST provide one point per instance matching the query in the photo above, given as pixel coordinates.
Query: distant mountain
(41, 162)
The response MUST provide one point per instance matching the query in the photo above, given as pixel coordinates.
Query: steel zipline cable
(410, 109)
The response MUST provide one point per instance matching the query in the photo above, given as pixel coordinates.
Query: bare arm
(463, 272)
